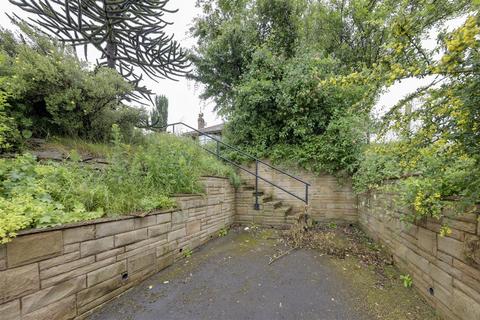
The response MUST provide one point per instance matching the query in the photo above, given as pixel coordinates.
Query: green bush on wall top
(50, 92)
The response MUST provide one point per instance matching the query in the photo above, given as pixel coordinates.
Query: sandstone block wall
(445, 269)
(66, 272)
(329, 198)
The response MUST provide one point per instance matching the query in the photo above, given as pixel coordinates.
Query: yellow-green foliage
(436, 129)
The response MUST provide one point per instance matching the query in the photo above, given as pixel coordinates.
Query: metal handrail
(257, 161)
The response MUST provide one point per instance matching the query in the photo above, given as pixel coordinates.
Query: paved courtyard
(230, 278)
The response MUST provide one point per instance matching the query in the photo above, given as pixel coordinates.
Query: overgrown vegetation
(139, 178)
(46, 91)
(260, 63)
(435, 131)
(298, 82)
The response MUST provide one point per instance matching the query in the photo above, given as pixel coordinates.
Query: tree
(45, 90)
(159, 116)
(130, 34)
(297, 79)
(229, 32)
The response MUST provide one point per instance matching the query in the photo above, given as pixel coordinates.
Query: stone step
(293, 217)
(273, 203)
(267, 198)
(284, 209)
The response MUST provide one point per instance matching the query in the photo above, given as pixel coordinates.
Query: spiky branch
(128, 33)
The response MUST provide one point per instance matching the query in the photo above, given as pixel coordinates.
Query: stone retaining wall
(329, 198)
(66, 272)
(445, 269)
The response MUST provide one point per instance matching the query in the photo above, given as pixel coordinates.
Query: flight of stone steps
(273, 212)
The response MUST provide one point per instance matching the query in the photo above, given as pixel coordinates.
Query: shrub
(9, 135)
(51, 92)
(284, 110)
(427, 180)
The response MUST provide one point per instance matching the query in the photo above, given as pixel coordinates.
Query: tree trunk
(111, 54)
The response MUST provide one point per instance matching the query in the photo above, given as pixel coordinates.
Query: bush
(51, 92)
(426, 180)
(284, 110)
(140, 178)
(10, 136)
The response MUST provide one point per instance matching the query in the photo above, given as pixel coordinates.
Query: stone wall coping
(188, 195)
(217, 177)
(93, 221)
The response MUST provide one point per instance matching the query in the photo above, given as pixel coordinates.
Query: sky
(183, 95)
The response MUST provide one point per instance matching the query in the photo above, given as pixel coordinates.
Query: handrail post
(257, 206)
(173, 129)
(306, 194)
(218, 150)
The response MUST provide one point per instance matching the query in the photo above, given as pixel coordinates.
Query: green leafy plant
(332, 225)
(298, 120)
(223, 232)
(310, 90)
(187, 252)
(407, 280)
(445, 230)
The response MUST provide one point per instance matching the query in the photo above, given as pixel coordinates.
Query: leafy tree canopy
(283, 71)
(436, 129)
(45, 90)
(299, 84)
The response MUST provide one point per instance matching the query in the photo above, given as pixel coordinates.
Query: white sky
(184, 103)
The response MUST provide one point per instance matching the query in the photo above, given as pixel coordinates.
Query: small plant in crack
(332, 225)
(407, 280)
(445, 231)
(223, 232)
(187, 252)
(254, 226)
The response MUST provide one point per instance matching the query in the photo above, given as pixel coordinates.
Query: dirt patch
(340, 242)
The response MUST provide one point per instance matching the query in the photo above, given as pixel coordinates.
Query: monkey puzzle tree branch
(129, 34)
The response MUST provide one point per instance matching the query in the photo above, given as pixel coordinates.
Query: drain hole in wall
(430, 290)
(181, 249)
(350, 224)
(125, 276)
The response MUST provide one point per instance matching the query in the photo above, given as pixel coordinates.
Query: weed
(445, 230)
(254, 226)
(187, 252)
(332, 225)
(407, 280)
(223, 232)
(139, 178)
